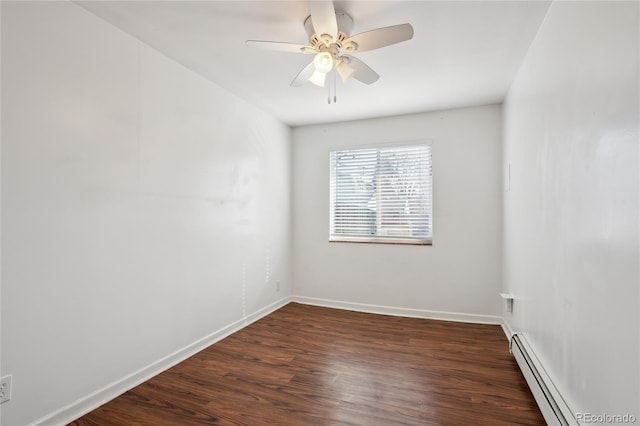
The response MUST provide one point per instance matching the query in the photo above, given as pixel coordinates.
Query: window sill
(378, 240)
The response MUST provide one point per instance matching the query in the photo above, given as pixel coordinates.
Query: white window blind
(381, 194)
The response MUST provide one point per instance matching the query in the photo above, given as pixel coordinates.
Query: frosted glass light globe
(323, 62)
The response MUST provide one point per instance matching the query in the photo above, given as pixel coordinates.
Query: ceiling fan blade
(323, 17)
(362, 71)
(303, 76)
(280, 46)
(382, 37)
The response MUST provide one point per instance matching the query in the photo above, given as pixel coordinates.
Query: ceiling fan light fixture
(318, 78)
(323, 62)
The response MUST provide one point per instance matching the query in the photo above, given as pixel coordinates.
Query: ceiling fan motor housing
(345, 25)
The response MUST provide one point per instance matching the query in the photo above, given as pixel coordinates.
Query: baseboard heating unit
(552, 405)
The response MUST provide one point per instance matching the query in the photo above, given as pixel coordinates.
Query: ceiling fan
(332, 44)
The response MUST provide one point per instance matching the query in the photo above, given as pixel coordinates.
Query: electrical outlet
(278, 285)
(5, 388)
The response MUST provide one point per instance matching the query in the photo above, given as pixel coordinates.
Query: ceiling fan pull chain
(335, 88)
(329, 92)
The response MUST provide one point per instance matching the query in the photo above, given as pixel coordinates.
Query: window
(381, 194)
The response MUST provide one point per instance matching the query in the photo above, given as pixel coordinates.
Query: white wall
(571, 252)
(144, 208)
(461, 272)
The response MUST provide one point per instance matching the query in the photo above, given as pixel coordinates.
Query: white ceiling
(463, 53)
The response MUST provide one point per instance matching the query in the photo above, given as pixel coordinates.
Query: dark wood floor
(307, 365)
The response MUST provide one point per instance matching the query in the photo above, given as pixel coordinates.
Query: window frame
(377, 239)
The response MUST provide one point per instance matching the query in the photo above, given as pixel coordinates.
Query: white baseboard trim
(508, 331)
(89, 403)
(401, 312)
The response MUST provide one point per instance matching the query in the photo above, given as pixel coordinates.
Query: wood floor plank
(308, 365)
